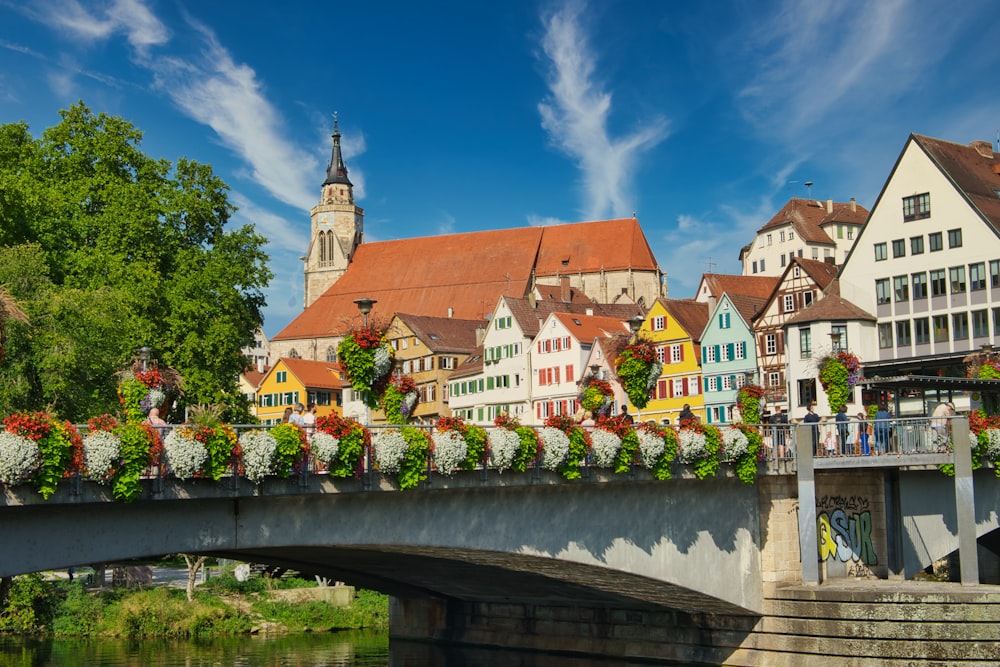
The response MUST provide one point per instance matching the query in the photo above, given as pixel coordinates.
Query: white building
(927, 262)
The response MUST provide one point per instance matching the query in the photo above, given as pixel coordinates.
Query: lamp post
(364, 307)
(835, 341)
(145, 352)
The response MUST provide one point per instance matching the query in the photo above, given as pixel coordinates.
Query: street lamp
(634, 324)
(145, 352)
(835, 341)
(364, 307)
(595, 369)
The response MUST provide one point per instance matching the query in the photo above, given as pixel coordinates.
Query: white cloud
(544, 220)
(130, 17)
(281, 234)
(576, 116)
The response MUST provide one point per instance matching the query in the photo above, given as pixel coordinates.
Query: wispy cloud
(280, 234)
(544, 220)
(576, 117)
(129, 17)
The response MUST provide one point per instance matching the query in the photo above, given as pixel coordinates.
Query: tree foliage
(107, 249)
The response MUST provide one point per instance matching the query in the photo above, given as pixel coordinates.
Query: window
(960, 326)
(815, 253)
(977, 276)
(771, 344)
(774, 379)
(921, 331)
(954, 238)
(762, 266)
(723, 352)
(882, 294)
(723, 320)
(727, 382)
(807, 392)
(850, 233)
(661, 354)
(781, 260)
(710, 354)
(769, 239)
(996, 321)
(838, 337)
(797, 271)
(903, 333)
(980, 324)
(659, 323)
(885, 335)
(899, 248)
(781, 236)
(755, 266)
(917, 207)
(940, 328)
(713, 384)
(281, 376)
(789, 302)
(995, 272)
(934, 241)
(807, 299)
(805, 342)
(901, 288)
(957, 276)
(880, 252)
(678, 387)
(919, 285)
(740, 350)
(676, 354)
(916, 245)
(939, 287)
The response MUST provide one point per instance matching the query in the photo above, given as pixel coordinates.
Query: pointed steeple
(336, 171)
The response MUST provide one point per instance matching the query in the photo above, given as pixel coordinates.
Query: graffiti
(846, 538)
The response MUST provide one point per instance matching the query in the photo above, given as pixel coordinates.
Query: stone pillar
(807, 505)
(965, 502)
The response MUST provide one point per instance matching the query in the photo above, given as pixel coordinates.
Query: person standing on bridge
(882, 429)
(625, 417)
(779, 424)
(813, 418)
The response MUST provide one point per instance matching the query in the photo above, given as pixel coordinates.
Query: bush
(30, 605)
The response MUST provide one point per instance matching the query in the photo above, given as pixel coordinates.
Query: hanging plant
(605, 448)
(629, 442)
(291, 447)
(58, 442)
(345, 459)
(748, 399)
(838, 373)
(474, 437)
(399, 399)
(638, 370)
(366, 357)
(140, 446)
(258, 451)
(577, 445)
(597, 396)
(142, 390)
(403, 451)
(699, 446)
(741, 444)
(449, 452)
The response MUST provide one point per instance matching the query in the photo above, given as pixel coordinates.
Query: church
(452, 275)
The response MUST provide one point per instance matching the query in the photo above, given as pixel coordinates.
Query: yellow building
(675, 326)
(292, 381)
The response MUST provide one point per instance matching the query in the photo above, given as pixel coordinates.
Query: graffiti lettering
(846, 538)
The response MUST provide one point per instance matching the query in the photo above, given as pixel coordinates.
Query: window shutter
(732, 351)
(704, 355)
(661, 389)
(780, 337)
(569, 373)
(539, 347)
(680, 352)
(556, 369)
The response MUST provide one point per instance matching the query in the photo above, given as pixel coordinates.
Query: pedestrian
(831, 442)
(940, 421)
(686, 415)
(882, 429)
(864, 434)
(309, 421)
(843, 431)
(813, 418)
(625, 417)
(779, 423)
(296, 417)
(287, 417)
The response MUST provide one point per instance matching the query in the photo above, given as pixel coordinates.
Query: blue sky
(702, 118)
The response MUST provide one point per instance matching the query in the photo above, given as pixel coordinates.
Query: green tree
(107, 249)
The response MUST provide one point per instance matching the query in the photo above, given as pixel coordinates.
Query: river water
(339, 649)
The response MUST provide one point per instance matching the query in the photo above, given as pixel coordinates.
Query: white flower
(325, 446)
(650, 447)
(606, 447)
(993, 447)
(259, 449)
(450, 451)
(185, 455)
(734, 443)
(555, 447)
(101, 452)
(504, 444)
(654, 374)
(381, 361)
(692, 446)
(19, 457)
(390, 449)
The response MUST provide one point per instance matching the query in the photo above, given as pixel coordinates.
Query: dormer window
(917, 207)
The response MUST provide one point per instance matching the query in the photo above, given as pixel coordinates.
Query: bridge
(488, 540)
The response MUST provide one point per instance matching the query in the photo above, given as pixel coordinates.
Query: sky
(700, 118)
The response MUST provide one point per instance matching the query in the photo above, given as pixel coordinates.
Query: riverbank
(222, 606)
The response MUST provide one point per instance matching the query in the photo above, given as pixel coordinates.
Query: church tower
(337, 228)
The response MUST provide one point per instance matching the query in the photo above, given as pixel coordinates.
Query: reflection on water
(341, 649)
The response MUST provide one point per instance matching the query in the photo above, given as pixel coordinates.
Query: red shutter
(681, 356)
(569, 372)
(781, 342)
(539, 347)
(556, 369)
(661, 389)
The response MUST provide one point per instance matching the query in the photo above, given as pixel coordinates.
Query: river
(340, 649)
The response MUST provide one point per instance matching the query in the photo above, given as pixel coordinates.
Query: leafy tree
(106, 250)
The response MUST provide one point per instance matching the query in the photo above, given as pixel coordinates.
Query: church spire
(336, 171)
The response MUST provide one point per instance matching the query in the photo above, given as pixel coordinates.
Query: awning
(930, 382)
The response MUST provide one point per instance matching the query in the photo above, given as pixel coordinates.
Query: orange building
(292, 381)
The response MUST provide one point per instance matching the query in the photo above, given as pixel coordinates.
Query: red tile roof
(976, 174)
(319, 374)
(821, 272)
(529, 316)
(253, 376)
(809, 216)
(747, 306)
(444, 334)
(585, 328)
(755, 286)
(690, 314)
(468, 272)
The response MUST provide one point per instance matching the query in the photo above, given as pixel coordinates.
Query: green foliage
(57, 456)
(579, 446)
(708, 465)
(746, 465)
(748, 398)
(132, 393)
(833, 376)
(107, 249)
(136, 447)
(291, 444)
(528, 449)
(79, 614)
(626, 455)
(368, 610)
(352, 436)
(30, 605)
(475, 442)
(413, 467)
(634, 374)
(661, 468)
(219, 441)
(165, 612)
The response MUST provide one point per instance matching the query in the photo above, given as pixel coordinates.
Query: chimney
(532, 300)
(451, 312)
(480, 335)
(590, 312)
(984, 148)
(260, 366)
(854, 205)
(566, 294)
(829, 206)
